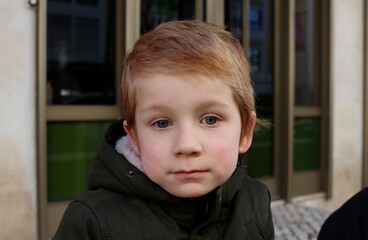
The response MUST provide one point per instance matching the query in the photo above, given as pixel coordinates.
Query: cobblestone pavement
(297, 222)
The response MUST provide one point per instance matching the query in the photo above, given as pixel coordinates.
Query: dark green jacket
(123, 203)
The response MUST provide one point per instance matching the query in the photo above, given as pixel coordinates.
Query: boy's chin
(189, 193)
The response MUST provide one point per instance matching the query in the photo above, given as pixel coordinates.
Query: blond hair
(189, 47)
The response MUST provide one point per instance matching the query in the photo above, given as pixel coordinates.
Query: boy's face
(187, 133)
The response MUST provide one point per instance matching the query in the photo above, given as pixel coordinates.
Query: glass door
(82, 67)
(286, 43)
(307, 98)
(253, 24)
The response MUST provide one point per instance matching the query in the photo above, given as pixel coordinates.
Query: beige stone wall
(17, 120)
(348, 99)
(347, 105)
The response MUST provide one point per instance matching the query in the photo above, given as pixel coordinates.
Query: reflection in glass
(60, 0)
(88, 2)
(307, 143)
(260, 54)
(154, 12)
(260, 155)
(71, 147)
(234, 18)
(255, 18)
(307, 54)
(81, 52)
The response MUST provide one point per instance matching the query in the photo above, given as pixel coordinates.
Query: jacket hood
(111, 170)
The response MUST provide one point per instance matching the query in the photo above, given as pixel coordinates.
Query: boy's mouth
(191, 174)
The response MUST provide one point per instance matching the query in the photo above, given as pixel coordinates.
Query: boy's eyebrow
(213, 103)
(154, 107)
(201, 105)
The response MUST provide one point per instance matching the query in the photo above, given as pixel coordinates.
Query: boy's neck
(190, 213)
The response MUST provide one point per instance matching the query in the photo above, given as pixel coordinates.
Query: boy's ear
(132, 136)
(246, 140)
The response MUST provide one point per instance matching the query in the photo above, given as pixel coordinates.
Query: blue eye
(162, 123)
(211, 120)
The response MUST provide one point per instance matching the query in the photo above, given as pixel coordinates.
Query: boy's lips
(191, 174)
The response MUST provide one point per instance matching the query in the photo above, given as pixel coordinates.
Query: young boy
(171, 170)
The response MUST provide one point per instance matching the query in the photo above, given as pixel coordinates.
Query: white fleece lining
(125, 147)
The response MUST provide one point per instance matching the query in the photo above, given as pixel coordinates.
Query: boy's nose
(187, 142)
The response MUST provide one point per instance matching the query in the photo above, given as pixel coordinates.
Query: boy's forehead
(168, 86)
(188, 77)
(181, 93)
(172, 85)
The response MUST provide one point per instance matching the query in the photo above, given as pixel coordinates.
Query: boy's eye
(162, 123)
(210, 120)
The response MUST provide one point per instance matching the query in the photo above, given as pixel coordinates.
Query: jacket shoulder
(79, 222)
(85, 217)
(254, 204)
(256, 191)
